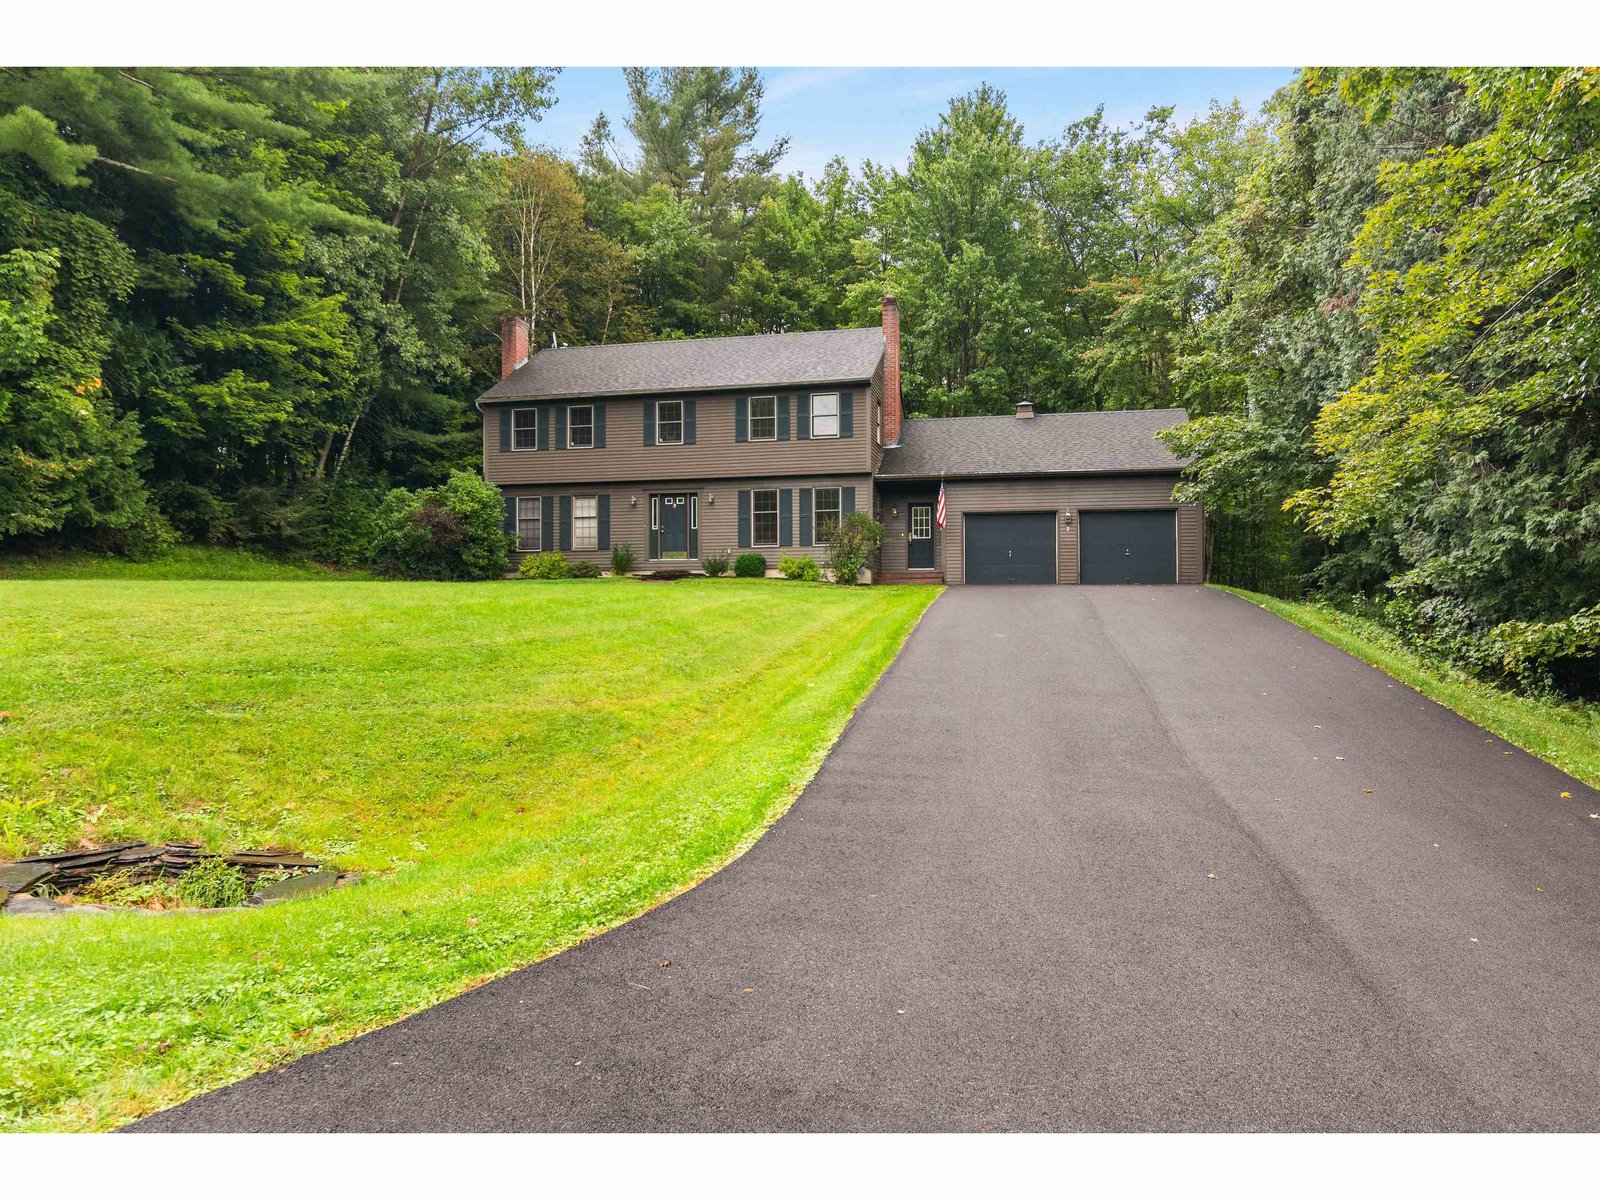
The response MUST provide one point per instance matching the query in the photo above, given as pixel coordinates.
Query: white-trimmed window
(877, 422)
(529, 526)
(585, 522)
(764, 517)
(825, 505)
(921, 521)
(524, 429)
(763, 418)
(825, 415)
(580, 426)
(669, 422)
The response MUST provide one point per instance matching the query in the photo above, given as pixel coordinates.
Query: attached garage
(1010, 547)
(1128, 546)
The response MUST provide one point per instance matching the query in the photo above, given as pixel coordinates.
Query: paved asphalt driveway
(1088, 859)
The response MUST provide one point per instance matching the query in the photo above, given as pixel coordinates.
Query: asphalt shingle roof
(1049, 444)
(696, 365)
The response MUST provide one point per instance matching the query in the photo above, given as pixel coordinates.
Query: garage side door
(1010, 547)
(1128, 547)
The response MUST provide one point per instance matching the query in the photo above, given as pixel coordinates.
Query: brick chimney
(891, 371)
(513, 344)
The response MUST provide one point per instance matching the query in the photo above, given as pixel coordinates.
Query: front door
(674, 526)
(919, 552)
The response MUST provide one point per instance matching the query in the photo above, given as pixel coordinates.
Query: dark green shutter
(802, 416)
(786, 517)
(599, 426)
(694, 526)
(561, 427)
(688, 422)
(847, 501)
(547, 523)
(510, 525)
(566, 522)
(783, 418)
(505, 430)
(741, 419)
(649, 422)
(847, 414)
(744, 519)
(603, 508)
(655, 533)
(541, 425)
(805, 517)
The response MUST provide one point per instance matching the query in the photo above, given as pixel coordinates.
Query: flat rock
(19, 877)
(293, 888)
(22, 905)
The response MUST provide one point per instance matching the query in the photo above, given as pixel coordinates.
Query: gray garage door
(1010, 547)
(1128, 547)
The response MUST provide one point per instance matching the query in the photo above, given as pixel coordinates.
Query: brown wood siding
(874, 399)
(895, 517)
(1053, 495)
(715, 454)
(718, 521)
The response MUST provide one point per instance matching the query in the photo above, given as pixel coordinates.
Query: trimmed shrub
(799, 567)
(453, 531)
(583, 569)
(621, 558)
(715, 564)
(548, 565)
(855, 539)
(750, 566)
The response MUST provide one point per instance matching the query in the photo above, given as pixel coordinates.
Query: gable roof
(1049, 444)
(696, 365)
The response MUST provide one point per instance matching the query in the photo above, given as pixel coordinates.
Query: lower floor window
(585, 522)
(528, 527)
(824, 514)
(764, 516)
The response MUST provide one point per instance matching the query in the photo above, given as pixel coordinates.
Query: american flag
(938, 512)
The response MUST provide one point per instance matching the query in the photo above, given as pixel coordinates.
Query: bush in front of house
(453, 531)
(621, 558)
(715, 564)
(750, 566)
(853, 542)
(798, 566)
(550, 564)
(583, 569)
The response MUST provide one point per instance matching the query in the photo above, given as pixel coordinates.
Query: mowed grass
(513, 765)
(181, 562)
(1566, 735)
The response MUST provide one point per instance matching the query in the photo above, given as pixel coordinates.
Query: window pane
(763, 418)
(824, 513)
(669, 422)
(764, 509)
(825, 415)
(580, 426)
(524, 433)
(585, 522)
(528, 523)
(921, 522)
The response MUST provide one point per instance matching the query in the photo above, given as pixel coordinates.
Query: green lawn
(514, 765)
(181, 562)
(1565, 735)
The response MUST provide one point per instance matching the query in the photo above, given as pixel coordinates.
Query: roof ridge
(719, 337)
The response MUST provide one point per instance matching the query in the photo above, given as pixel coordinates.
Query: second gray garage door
(1010, 547)
(1134, 546)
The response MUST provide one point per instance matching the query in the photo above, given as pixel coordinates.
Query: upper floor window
(764, 517)
(763, 418)
(669, 422)
(585, 522)
(825, 506)
(580, 425)
(528, 523)
(825, 415)
(524, 429)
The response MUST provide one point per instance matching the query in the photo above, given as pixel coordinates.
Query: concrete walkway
(1087, 859)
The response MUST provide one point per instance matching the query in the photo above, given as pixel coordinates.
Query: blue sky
(876, 112)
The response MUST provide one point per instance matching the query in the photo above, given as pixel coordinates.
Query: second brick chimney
(891, 371)
(513, 344)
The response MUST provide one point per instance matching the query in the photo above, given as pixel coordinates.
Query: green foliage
(621, 558)
(453, 531)
(798, 566)
(750, 565)
(213, 883)
(715, 564)
(124, 889)
(548, 564)
(582, 568)
(852, 544)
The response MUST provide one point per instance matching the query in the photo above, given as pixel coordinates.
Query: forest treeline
(238, 306)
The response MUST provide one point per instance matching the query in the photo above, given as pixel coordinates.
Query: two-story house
(684, 449)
